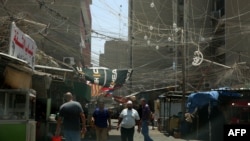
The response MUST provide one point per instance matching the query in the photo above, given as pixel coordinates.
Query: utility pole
(130, 35)
(174, 31)
(184, 53)
(183, 107)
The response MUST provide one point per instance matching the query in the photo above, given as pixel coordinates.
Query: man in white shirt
(128, 118)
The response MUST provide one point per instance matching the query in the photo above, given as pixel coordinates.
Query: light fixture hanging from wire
(151, 27)
(152, 5)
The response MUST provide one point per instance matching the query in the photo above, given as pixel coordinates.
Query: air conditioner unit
(69, 60)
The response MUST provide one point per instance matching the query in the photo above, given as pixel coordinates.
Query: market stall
(17, 108)
(207, 109)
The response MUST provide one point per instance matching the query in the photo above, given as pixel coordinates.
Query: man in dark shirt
(139, 110)
(71, 115)
(145, 119)
(102, 121)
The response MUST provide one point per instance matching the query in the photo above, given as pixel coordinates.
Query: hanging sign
(110, 78)
(22, 46)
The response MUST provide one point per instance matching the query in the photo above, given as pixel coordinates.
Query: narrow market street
(65, 65)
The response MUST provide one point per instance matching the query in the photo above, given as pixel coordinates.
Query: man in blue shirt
(102, 122)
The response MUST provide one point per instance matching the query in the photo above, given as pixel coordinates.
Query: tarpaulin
(201, 99)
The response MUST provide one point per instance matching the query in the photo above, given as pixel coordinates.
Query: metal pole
(131, 38)
(175, 30)
(183, 76)
(184, 45)
(164, 124)
(209, 121)
(169, 113)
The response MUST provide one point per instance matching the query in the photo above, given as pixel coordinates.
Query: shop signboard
(22, 46)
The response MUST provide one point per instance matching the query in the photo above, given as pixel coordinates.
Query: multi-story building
(151, 43)
(228, 44)
(86, 26)
(151, 49)
(236, 26)
(116, 55)
(164, 35)
(61, 29)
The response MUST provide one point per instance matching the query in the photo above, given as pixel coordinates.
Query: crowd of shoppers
(71, 116)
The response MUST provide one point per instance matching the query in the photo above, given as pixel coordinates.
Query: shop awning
(200, 99)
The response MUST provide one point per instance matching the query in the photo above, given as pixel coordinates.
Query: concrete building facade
(60, 28)
(165, 34)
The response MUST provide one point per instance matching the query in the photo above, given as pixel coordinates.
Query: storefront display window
(16, 106)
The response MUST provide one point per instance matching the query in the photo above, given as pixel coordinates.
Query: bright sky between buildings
(109, 21)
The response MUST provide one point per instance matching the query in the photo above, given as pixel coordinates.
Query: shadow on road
(110, 138)
(114, 138)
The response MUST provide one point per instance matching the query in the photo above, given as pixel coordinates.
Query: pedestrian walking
(156, 118)
(127, 121)
(152, 115)
(72, 117)
(102, 122)
(145, 119)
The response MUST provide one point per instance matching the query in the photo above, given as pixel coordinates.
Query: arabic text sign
(22, 46)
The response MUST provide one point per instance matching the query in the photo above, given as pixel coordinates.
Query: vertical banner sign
(22, 46)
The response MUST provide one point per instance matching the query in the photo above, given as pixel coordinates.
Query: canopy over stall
(200, 99)
(210, 117)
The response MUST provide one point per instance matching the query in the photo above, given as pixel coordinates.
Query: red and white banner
(22, 46)
(98, 90)
(95, 89)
